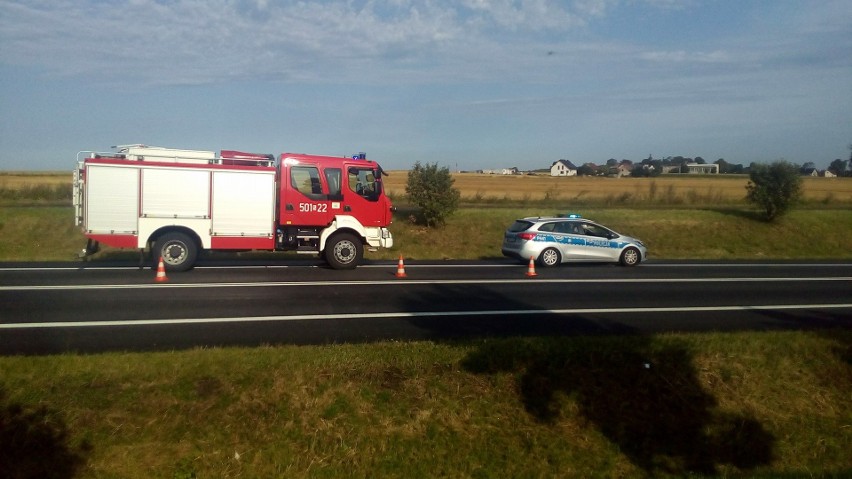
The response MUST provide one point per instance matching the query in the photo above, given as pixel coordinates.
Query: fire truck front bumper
(379, 238)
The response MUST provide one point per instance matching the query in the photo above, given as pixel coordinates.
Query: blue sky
(469, 84)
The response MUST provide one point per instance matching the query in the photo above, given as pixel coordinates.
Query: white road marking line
(403, 315)
(409, 282)
(148, 267)
(747, 265)
(432, 265)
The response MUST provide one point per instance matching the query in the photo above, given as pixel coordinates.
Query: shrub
(774, 188)
(431, 189)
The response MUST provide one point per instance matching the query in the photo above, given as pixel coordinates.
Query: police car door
(598, 243)
(572, 241)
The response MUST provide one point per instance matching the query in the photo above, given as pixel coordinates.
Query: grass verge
(39, 233)
(755, 404)
(725, 234)
(48, 234)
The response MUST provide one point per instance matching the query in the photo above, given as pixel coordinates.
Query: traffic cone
(161, 272)
(531, 269)
(400, 268)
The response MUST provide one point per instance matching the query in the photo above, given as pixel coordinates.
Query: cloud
(671, 4)
(682, 56)
(201, 41)
(529, 14)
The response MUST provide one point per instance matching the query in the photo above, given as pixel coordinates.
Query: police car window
(575, 228)
(547, 227)
(563, 227)
(518, 226)
(595, 230)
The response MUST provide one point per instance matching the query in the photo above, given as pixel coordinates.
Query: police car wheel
(630, 257)
(550, 257)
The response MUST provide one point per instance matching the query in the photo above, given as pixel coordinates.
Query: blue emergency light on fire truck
(177, 203)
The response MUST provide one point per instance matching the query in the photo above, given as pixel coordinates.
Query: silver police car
(570, 238)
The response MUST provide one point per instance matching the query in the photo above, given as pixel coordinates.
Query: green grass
(48, 233)
(687, 217)
(39, 194)
(40, 233)
(731, 405)
(724, 234)
(764, 404)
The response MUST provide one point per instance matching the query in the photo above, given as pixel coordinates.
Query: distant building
(625, 168)
(702, 169)
(563, 168)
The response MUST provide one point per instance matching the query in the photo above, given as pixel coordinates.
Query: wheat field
(665, 189)
(689, 189)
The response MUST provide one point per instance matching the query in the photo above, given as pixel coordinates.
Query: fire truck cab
(177, 203)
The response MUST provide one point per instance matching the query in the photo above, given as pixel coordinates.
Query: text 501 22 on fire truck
(177, 203)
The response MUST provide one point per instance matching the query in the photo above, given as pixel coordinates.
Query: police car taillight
(526, 236)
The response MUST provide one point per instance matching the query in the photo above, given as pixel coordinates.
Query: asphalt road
(92, 307)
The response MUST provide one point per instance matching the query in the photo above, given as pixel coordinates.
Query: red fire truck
(176, 203)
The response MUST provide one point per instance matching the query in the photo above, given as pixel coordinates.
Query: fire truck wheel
(177, 250)
(343, 251)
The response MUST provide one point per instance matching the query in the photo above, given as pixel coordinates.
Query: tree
(839, 167)
(774, 188)
(736, 169)
(586, 169)
(431, 189)
(681, 162)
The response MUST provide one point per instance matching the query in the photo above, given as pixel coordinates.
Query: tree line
(678, 164)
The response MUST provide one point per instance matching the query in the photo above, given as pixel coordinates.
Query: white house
(703, 169)
(624, 168)
(563, 168)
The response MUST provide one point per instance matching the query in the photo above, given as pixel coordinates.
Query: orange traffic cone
(531, 269)
(400, 268)
(161, 272)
